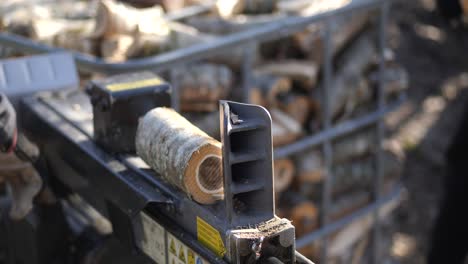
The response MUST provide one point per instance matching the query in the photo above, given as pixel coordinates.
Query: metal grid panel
(249, 39)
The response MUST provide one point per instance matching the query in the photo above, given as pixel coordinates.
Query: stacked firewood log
(286, 79)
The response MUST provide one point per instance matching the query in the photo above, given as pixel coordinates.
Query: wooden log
(114, 48)
(303, 213)
(284, 171)
(228, 8)
(191, 159)
(295, 105)
(117, 18)
(310, 169)
(168, 5)
(145, 45)
(464, 4)
(267, 88)
(204, 82)
(343, 30)
(78, 41)
(45, 30)
(183, 36)
(303, 73)
(348, 86)
(222, 26)
(285, 129)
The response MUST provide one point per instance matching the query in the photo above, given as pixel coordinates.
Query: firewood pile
(286, 80)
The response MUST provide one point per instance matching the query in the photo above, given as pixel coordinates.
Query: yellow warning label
(210, 237)
(172, 247)
(191, 257)
(181, 254)
(133, 85)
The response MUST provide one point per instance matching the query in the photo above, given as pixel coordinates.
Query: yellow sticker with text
(210, 237)
(116, 87)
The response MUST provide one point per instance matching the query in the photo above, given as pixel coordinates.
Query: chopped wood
(302, 72)
(183, 36)
(114, 48)
(310, 169)
(343, 30)
(237, 23)
(192, 159)
(145, 45)
(348, 85)
(267, 88)
(285, 129)
(295, 105)
(302, 212)
(284, 171)
(228, 8)
(168, 5)
(353, 146)
(117, 18)
(204, 82)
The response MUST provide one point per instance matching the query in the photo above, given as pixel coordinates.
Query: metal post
(326, 147)
(247, 64)
(380, 129)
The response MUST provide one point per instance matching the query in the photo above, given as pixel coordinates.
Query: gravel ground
(435, 54)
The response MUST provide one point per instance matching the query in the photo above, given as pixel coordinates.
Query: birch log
(117, 18)
(182, 154)
(285, 129)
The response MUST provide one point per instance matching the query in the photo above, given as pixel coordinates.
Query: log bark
(284, 171)
(204, 82)
(145, 45)
(285, 129)
(303, 73)
(182, 154)
(267, 88)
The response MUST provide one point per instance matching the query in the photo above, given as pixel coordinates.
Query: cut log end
(203, 175)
